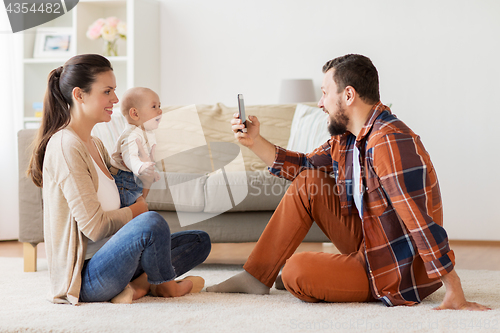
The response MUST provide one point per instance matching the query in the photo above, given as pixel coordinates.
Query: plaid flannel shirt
(406, 247)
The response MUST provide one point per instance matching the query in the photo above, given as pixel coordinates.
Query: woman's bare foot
(125, 297)
(173, 288)
(134, 290)
(140, 286)
(198, 283)
(169, 289)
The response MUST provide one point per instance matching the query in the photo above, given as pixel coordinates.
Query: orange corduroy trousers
(312, 276)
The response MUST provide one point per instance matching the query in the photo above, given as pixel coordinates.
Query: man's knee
(295, 275)
(294, 269)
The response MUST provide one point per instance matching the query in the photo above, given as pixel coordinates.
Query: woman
(96, 251)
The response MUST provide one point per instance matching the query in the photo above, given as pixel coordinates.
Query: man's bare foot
(173, 288)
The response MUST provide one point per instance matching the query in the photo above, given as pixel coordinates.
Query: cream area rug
(24, 308)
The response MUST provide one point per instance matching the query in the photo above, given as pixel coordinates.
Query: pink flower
(109, 29)
(94, 31)
(112, 21)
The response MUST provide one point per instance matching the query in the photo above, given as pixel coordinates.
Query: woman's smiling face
(98, 103)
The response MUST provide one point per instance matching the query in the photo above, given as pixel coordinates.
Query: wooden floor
(469, 255)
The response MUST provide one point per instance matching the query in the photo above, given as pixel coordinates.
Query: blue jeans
(142, 245)
(129, 187)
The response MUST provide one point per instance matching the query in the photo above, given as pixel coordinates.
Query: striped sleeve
(410, 183)
(289, 164)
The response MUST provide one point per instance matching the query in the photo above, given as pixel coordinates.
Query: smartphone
(241, 109)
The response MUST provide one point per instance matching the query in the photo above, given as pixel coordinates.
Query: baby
(141, 108)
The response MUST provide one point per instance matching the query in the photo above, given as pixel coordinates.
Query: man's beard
(338, 126)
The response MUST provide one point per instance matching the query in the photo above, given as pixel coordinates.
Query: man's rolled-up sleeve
(289, 164)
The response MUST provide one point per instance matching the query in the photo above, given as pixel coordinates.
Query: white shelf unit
(138, 63)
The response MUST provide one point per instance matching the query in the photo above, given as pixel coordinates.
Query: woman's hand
(139, 207)
(253, 130)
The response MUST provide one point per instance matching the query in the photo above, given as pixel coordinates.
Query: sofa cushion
(192, 126)
(30, 196)
(309, 129)
(275, 123)
(179, 131)
(251, 191)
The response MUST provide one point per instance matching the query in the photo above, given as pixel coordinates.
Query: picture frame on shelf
(54, 42)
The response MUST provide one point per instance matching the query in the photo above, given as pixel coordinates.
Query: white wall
(437, 61)
(10, 98)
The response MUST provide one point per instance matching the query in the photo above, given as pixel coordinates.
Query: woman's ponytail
(55, 107)
(79, 71)
(55, 116)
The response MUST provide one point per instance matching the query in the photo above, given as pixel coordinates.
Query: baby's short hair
(132, 98)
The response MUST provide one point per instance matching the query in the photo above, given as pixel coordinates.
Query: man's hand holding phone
(245, 131)
(252, 138)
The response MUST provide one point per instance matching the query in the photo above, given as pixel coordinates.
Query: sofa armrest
(30, 196)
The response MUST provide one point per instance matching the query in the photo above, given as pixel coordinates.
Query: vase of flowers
(110, 30)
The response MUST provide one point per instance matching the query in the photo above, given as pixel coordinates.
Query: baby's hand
(147, 169)
(157, 176)
(143, 156)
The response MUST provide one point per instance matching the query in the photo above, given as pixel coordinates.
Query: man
(373, 191)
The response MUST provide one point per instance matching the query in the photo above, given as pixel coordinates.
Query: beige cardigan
(72, 213)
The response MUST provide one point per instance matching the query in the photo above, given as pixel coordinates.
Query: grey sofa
(202, 203)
